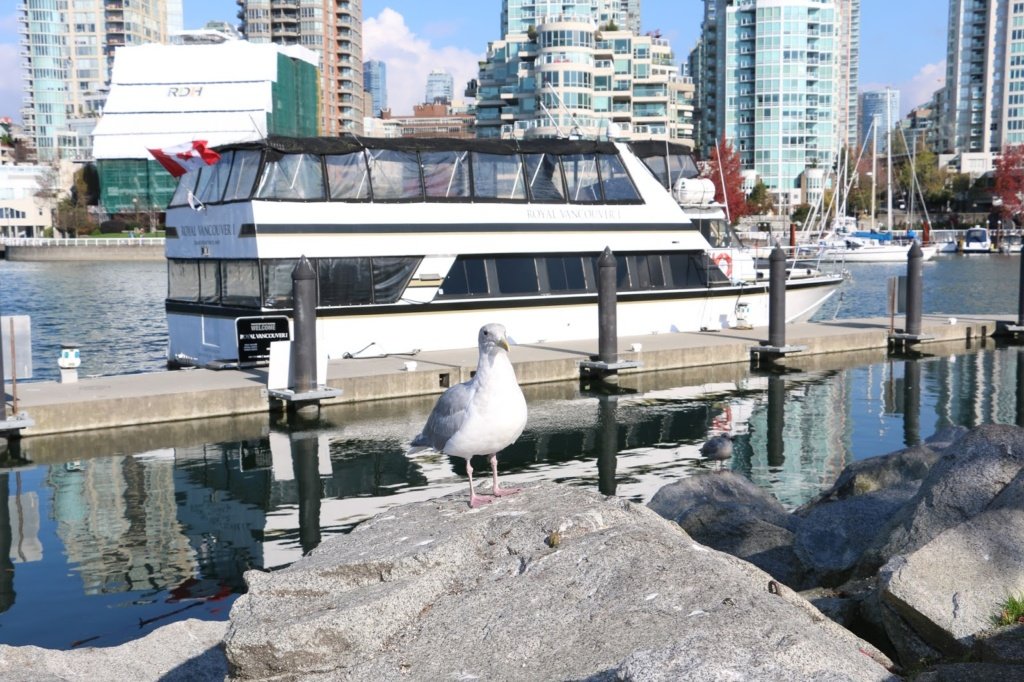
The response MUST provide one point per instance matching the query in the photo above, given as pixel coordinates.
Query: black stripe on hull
(185, 308)
(447, 228)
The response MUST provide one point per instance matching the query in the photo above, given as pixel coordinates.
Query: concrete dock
(160, 397)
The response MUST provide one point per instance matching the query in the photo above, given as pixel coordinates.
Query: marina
(124, 530)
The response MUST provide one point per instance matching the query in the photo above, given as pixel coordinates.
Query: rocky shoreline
(895, 572)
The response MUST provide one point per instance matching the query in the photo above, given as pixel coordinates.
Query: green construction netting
(123, 181)
(296, 99)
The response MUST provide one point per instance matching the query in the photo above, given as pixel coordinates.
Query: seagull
(718, 448)
(481, 416)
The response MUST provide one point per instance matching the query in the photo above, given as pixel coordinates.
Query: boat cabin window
(244, 167)
(467, 277)
(214, 179)
(427, 174)
(292, 176)
(209, 281)
(566, 273)
(573, 273)
(544, 175)
(186, 185)
(615, 180)
(348, 177)
(446, 174)
(581, 178)
(277, 282)
(394, 175)
(183, 280)
(516, 275)
(240, 283)
(718, 233)
(391, 276)
(344, 281)
(670, 168)
(497, 176)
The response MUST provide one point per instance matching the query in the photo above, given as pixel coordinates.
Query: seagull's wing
(447, 417)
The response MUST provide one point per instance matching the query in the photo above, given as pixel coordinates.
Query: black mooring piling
(607, 320)
(606, 364)
(303, 358)
(915, 273)
(775, 347)
(777, 298)
(911, 333)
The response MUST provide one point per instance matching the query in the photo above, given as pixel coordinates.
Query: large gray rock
(835, 532)
(186, 651)
(554, 583)
(950, 589)
(965, 480)
(842, 522)
(725, 511)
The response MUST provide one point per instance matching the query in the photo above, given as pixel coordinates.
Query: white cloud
(410, 58)
(918, 89)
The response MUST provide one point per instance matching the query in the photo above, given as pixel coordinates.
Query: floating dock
(160, 397)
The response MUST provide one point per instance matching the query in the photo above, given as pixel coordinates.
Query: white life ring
(719, 258)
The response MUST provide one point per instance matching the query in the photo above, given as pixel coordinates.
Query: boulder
(553, 583)
(970, 672)
(1002, 645)
(969, 475)
(950, 589)
(725, 511)
(835, 532)
(900, 469)
(186, 651)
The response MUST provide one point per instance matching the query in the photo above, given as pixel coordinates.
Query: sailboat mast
(888, 159)
(874, 165)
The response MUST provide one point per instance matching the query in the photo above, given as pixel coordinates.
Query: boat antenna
(721, 173)
(561, 105)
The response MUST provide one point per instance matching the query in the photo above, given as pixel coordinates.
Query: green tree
(800, 213)
(759, 201)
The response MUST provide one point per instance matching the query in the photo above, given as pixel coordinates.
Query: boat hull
(205, 339)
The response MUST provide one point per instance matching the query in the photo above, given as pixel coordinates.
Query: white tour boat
(418, 242)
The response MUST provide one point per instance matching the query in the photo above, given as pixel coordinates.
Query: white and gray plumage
(718, 448)
(481, 416)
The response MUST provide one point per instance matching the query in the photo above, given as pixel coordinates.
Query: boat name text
(553, 213)
(222, 230)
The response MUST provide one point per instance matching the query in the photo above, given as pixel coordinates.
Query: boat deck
(161, 397)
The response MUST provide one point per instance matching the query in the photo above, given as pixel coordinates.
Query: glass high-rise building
(67, 50)
(517, 16)
(580, 69)
(375, 85)
(777, 85)
(333, 30)
(984, 91)
(879, 112)
(440, 87)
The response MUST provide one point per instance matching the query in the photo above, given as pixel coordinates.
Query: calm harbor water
(104, 537)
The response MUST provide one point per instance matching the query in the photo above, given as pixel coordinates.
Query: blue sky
(902, 41)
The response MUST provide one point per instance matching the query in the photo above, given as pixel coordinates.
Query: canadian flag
(182, 158)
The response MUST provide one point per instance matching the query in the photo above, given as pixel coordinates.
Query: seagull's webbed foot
(496, 490)
(504, 492)
(477, 501)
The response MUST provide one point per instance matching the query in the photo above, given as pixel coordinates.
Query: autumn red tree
(725, 162)
(1009, 187)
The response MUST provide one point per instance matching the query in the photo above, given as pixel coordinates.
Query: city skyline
(903, 45)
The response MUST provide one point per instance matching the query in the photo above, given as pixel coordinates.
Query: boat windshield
(719, 233)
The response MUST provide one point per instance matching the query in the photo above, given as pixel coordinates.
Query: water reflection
(121, 531)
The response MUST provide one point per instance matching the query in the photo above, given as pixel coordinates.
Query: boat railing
(83, 241)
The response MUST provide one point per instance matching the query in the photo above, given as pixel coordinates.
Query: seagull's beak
(503, 343)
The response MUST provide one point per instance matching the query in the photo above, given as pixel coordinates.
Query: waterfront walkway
(159, 397)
